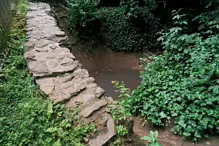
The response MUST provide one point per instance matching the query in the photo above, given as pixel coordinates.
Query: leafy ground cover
(182, 85)
(26, 116)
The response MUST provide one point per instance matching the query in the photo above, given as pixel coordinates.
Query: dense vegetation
(182, 85)
(26, 116)
(129, 26)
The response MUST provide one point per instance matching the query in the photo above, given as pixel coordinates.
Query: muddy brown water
(105, 66)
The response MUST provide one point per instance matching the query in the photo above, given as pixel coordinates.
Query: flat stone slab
(60, 76)
(104, 137)
(92, 93)
(62, 88)
(86, 112)
(49, 60)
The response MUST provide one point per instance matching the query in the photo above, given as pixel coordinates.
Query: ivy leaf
(146, 138)
(155, 144)
(57, 143)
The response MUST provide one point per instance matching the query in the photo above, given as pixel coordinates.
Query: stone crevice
(61, 77)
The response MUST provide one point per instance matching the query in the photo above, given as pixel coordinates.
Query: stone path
(60, 75)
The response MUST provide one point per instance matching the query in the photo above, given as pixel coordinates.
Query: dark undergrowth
(129, 26)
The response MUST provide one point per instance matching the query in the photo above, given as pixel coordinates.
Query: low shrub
(83, 16)
(122, 35)
(132, 26)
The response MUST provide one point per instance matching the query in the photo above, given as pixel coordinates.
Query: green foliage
(182, 84)
(83, 16)
(26, 117)
(131, 26)
(118, 113)
(152, 139)
(121, 34)
(209, 22)
(3, 39)
(121, 117)
(124, 93)
(122, 89)
(209, 3)
(121, 131)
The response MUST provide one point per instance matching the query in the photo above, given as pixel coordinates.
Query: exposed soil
(106, 65)
(167, 138)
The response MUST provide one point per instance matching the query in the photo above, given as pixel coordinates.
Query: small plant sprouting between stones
(118, 113)
(121, 133)
(152, 139)
(121, 130)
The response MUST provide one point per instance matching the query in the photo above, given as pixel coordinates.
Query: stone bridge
(61, 77)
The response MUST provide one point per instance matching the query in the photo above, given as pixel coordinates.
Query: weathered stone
(46, 84)
(29, 29)
(53, 46)
(82, 73)
(82, 98)
(86, 139)
(99, 92)
(60, 33)
(102, 119)
(93, 107)
(42, 49)
(110, 100)
(94, 116)
(42, 43)
(87, 96)
(33, 8)
(103, 138)
(38, 68)
(208, 143)
(49, 68)
(61, 89)
(51, 62)
(30, 44)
